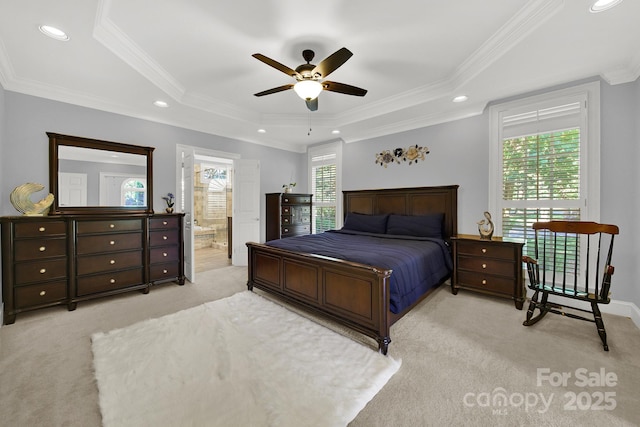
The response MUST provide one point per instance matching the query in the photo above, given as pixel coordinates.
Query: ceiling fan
(309, 77)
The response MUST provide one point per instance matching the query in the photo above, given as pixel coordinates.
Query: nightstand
(492, 267)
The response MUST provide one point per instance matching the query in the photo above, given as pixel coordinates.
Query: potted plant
(169, 199)
(288, 188)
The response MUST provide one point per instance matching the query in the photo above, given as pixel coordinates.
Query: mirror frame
(56, 140)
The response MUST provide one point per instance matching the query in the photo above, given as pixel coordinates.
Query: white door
(72, 189)
(246, 208)
(189, 255)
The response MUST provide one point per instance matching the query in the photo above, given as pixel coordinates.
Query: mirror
(93, 176)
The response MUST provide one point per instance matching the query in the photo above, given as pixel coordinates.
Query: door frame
(180, 148)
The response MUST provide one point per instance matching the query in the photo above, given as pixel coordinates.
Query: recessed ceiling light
(460, 98)
(602, 5)
(262, 131)
(53, 32)
(161, 104)
(335, 131)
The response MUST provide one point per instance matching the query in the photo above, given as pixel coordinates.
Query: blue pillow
(429, 225)
(367, 223)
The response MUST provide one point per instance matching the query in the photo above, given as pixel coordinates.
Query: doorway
(212, 212)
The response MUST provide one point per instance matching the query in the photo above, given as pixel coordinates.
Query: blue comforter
(418, 263)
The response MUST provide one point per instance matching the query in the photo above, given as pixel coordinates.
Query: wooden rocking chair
(561, 247)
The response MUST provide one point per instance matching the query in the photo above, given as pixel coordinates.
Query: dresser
(492, 267)
(66, 259)
(287, 215)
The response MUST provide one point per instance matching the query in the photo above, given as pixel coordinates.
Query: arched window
(134, 192)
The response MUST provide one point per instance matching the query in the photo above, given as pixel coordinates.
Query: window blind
(323, 187)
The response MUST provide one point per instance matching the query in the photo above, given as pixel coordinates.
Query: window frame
(589, 95)
(323, 150)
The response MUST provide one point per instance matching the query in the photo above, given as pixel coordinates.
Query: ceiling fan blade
(332, 62)
(343, 88)
(274, 90)
(312, 104)
(275, 64)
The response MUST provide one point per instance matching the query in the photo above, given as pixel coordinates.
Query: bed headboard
(407, 201)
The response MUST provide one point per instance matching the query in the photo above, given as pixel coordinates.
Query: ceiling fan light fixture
(602, 5)
(308, 89)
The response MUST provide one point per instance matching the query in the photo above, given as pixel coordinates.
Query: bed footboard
(355, 295)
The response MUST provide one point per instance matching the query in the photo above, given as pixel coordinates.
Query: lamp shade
(308, 89)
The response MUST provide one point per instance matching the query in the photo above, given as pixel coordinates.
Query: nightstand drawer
(486, 265)
(482, 249)
(164, 271)
(486, 282)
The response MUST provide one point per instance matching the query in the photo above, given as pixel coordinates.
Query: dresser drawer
(37, 229)
(108, 242)
(107, 226)
(486, 265)
(295, 230)
(296, 200)
(486, 282)
(164, 271)
(491, 250)
(88, 285)
(40, 294)
(164, 237)
(164, 223)
(164, 254)
(39, 248)
(40, 271)
(109, 262)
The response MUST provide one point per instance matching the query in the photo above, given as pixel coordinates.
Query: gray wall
(26, 150)
(459, 154)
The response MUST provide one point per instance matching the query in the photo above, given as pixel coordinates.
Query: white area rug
(238, 361)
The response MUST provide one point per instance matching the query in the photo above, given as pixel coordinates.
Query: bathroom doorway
(212, 212)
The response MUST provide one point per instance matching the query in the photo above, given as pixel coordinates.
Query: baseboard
(619, 308)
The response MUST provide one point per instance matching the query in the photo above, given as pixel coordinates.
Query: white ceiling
(413, 56)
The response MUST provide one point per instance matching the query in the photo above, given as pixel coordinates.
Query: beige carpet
(462, 356)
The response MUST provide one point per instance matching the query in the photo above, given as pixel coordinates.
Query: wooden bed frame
(354, 295)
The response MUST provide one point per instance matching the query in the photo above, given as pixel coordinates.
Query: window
(134, 192)
(545, 161)
(324, 168)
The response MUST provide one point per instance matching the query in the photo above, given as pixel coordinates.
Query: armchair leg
(600, 325)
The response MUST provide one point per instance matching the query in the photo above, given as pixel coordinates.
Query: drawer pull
(164, 254)
(286, 200)
(43, 270)
(285, 220)
(164, 222)
(113, 261)
(42, 249)
(43, 293)
(164, 237)
(286, 230)
(484, 281)
(112, 242)
(112, 281)
(484, 250)
(165, 271)
(41, 229)
(484, 265)
(112, 226)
